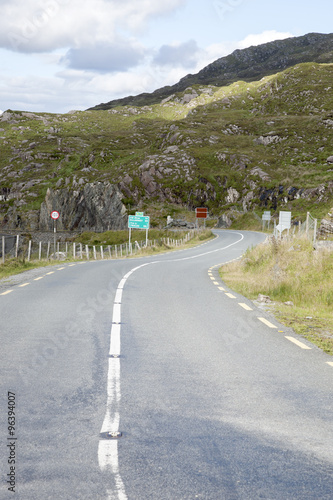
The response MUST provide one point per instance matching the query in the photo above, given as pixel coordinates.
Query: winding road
(149, 379)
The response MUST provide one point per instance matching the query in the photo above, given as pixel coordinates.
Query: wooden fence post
(29, 250)
(17, 245)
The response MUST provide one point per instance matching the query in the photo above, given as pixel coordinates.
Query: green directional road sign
(138, 222)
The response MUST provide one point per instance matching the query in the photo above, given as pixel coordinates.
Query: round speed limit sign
(55, 215)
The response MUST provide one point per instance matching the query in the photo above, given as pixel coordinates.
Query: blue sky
(59, 55)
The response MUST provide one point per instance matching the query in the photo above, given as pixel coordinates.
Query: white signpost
(266, 217)
(284, 222)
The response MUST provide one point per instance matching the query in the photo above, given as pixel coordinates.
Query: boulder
(224, 221)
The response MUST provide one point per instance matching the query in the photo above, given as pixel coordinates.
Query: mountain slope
(248, 64)
(246, 146)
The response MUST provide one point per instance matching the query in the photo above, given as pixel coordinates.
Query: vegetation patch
(298, 280)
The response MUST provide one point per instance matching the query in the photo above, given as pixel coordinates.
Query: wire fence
(17, 247)
(309, 228)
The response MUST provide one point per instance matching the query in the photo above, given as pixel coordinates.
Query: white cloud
(265, 37)
(62, 23)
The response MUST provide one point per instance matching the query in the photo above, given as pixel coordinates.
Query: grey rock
(266, 140)
(232, 196)
(94, 206)
(265, 299)
(224, 221)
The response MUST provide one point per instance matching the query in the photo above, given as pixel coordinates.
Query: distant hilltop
(248, 65)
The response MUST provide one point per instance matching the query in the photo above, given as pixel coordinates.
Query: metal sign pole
(54, 238)
(3, 249)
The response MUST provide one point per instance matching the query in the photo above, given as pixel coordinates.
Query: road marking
(329, 363)
(60, 268)
(116, 313)
(267, 323)
(51, 272)
(115, 340)
(297, 342)
(216, 283)
(24, 284)
(71, 265)
(118, 296)
(230, 295)
(108, 449)
(212, 278)
(6, 293)
(245, 306)
(222, 289)
(40, 278)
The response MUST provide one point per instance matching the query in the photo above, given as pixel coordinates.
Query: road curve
(206, 395)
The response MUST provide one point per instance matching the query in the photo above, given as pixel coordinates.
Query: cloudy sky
(59, 55)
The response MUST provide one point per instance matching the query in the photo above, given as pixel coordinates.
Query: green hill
(265, 144)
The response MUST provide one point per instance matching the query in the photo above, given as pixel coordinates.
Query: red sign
(201, 213)
(55, 215)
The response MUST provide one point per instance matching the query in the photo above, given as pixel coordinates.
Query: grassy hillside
(242, 147)
(297, 279)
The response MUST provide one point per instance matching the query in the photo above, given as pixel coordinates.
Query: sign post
(284, 222)
(138, 222)
(201, 213)
(266, 217)
(55, 216)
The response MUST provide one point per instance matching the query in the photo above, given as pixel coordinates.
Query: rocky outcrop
(95, 206)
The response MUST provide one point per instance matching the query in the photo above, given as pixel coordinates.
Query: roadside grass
(15, 266)
(161, 247)
(290, 271)
(121, 236)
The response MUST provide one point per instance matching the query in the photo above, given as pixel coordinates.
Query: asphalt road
(212, 397)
